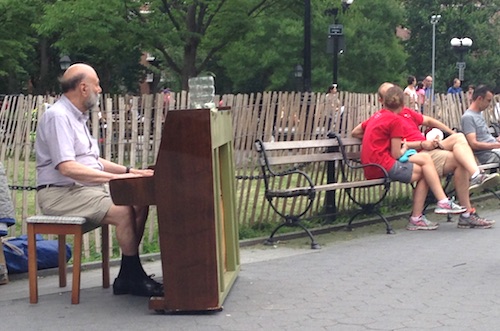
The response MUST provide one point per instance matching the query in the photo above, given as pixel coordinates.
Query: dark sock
(131, 268)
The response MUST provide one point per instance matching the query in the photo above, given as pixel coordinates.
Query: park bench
(283, 165)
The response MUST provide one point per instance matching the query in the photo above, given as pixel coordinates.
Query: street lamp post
(434, 20)
(336, 34)
(307, 47)
(298, 73)
(461, 46)
(64, 62)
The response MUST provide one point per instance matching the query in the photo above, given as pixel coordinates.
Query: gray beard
(92, 102)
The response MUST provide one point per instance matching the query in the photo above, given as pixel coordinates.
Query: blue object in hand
(406, 155)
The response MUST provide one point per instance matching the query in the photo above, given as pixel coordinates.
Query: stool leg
(77, 263)
(32, 265)
(62, 259)
(105, 255)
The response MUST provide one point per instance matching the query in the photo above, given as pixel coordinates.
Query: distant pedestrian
(428, 87)
(411, 91)
(421, 95)
(455, 88)
(469, 93)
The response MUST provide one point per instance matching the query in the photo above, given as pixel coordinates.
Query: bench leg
(388, 225)
(493, 192)
(314, 244)
(271, 241)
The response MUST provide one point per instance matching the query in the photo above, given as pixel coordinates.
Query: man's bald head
(428, 81)
(74, 75)
(80, 84)
(382, 90)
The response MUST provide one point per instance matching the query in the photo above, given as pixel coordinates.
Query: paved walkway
(447, 279)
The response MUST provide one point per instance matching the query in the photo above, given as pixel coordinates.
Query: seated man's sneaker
(484, 181)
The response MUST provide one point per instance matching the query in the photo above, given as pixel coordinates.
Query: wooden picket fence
(129, 132)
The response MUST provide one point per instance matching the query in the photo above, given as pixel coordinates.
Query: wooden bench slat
(328, 187)
(306, 158)
(301, 144)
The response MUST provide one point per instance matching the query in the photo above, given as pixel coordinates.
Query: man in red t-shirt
(450, 155)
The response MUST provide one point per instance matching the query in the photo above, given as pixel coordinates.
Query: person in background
(383, 144)
(469, 93)
(421, 95)
(332, 89)
(428, 87)
(337, 110)
(455, 88)
(451, 155)
(72, 178)
(411, 91)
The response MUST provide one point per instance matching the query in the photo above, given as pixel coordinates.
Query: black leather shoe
(145, 287)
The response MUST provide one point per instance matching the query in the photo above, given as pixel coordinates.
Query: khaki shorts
(91, 202)
(439, 159)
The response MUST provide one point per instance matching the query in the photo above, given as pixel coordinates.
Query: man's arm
(479, 145)
(434, 123)
(358, 131)
(81, 173)
(116, 168)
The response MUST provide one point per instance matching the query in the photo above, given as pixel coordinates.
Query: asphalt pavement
(448, 279)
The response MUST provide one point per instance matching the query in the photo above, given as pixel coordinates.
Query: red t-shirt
(411, 123)
(376, 148)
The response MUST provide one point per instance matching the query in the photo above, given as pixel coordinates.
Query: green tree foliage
(97, 32)
(478, 20)
(374, 53)
(250, 45)
(16, 38)
(269, 52)
(187, 35)
(265, 56)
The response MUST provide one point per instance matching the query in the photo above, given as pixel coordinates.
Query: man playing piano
(71, 176)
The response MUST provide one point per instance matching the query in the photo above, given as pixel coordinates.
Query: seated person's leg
(458, 145)
(418, 221)
(95, 204)
(429, 173)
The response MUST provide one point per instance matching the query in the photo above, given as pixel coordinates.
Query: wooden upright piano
(194, 193)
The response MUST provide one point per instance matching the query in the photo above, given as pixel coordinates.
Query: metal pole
(434, 20)
(433, 57)
(307, 45)
(335, 59)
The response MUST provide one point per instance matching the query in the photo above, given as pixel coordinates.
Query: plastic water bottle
(201, 92)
